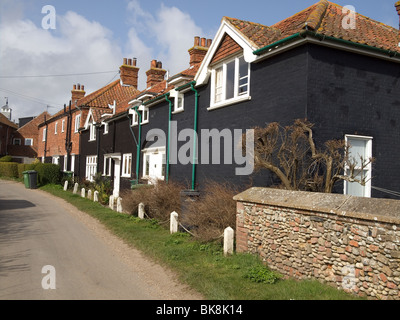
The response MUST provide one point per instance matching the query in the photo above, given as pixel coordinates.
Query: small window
(107, 166)
(55, 160)
(92, 128)
(17, 142)
(63, 126)
(44, 134)
(179, 103)
(28, 141)
(106, 125)
(55, 128)
(145, 115)
(77, 122)
(126, 165)
(230, 82)
(65, 162)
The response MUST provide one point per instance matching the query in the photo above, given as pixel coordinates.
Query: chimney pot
(203, 42)
(196, 41)
(74, 86)
(209, 42)
(125, 61)
(397, 5)
(159, 64)
(134, 61)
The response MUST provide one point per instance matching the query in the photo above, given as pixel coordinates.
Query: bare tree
(291, 154)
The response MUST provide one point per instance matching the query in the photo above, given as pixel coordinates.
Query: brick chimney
(155, 74)
(78, 92)
(397, 5)
(199, 50)
(129, 73)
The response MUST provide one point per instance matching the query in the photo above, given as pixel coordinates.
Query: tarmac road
(87, 262)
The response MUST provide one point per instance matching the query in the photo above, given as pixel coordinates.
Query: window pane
(243, 76)
(358, 149)
(230, 80)
(354, 188)
(218, 85)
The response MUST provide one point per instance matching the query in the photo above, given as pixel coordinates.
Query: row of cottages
(344, 78)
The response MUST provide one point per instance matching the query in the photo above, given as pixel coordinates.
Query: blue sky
(94, 36)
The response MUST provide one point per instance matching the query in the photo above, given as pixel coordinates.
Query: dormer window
(230, 82)
(92, 129)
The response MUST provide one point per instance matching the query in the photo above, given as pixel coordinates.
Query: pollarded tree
(291, 154)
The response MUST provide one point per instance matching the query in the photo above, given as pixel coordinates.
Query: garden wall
(349, 242)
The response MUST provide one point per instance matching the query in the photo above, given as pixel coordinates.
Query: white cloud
(169, 30)
(76, 46)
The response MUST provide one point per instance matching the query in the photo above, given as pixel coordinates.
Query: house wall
(355, 94)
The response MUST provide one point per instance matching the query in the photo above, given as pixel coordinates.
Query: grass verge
(202, 266)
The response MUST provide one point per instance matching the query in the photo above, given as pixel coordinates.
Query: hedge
(47, 172)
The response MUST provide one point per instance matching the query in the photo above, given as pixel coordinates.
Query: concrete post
(76, 186)
(119, 205)
(111, 202)
(174, 222)
(83, 192)
(228, 241)
(66, 185)
(141, 211)
(89, 194)
(96, 196)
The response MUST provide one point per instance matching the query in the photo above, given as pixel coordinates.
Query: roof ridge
(99, 92)
(315, 18)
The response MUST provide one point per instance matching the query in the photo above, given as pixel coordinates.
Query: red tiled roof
(4, 120)
(324, 18)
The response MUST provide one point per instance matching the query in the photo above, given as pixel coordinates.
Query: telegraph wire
(56, 75)
(29, 98)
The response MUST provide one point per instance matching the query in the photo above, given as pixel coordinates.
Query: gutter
(303, 34)
(196, 106)
(138, 145)
(169, 135)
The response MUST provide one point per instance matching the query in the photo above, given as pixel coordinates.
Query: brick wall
(349, 242)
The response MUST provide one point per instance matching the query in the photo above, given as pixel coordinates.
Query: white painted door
(117, 176)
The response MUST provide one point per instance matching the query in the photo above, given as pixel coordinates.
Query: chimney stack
(397, 5)
(78, 92)
(129, 72)
(199, 50)
(155, 74)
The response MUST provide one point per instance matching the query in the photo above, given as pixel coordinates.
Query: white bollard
(89, 194)
(83, 192)
(111, 202)
(76, 186)
(174, 222)
(141, 211)
(119, 205)
(96, 196)
(228, 241)
(66, 185)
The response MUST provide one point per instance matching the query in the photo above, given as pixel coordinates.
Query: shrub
(9, 169)
(214, 211)
(6, 159)
(48, 173)
(160, 199)
(24, 167)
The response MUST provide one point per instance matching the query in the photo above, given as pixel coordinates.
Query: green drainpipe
(196, 105)
(169, 136)
(138, 143)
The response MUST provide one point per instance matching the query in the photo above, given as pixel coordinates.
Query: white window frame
(15, 140)
(92, 128)
(147, 156)
(55, 128)
(91, 167)
(368, 168)
(55, 160)
(145, 115)
(31, 141)
(77, 122)
(237, 97)
(107, 160)
(177, 108)
(44, 134)
(106, 127)
(126, 165)
(63, 125)
(65, 162)
(72, 162)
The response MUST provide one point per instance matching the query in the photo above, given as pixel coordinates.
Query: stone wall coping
(373, 209)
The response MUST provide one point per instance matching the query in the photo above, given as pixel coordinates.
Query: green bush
(6, 159)
(24, 167)
(48, 173)
(9, 169)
